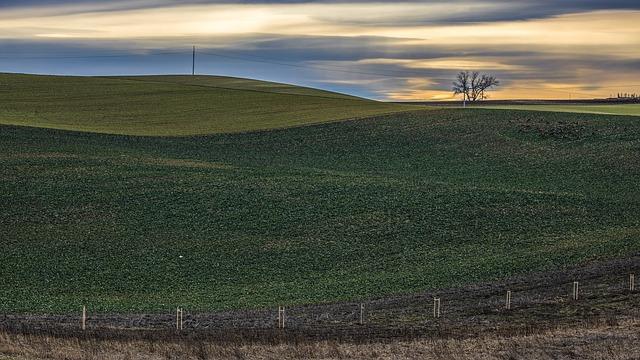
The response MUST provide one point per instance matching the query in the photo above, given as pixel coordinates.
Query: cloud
(397, 13)
(467, 62)
(386, 50)
(313, 19)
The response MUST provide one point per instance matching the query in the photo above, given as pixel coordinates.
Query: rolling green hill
(392, 204)
(171, 105)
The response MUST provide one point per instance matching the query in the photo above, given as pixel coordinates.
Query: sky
(400, 51)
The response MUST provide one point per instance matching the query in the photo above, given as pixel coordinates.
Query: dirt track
(539, 301)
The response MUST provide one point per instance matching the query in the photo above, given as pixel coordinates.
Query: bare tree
(486, 82)
(473, 85)
(462, 85)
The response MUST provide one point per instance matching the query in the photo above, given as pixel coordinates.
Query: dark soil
(539, 301)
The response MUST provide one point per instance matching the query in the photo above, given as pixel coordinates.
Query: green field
(613, 109)
(171, 105)
(343, 210)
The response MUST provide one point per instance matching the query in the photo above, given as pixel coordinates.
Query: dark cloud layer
(504, 10)
(390, 66)
(329, 62)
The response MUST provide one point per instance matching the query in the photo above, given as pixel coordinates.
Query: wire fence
(551, 297)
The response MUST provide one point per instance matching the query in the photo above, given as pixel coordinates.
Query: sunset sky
(407, 50)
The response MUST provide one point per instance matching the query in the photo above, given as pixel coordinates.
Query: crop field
(171, 105)
(391, 204)
(606, 109)
(392, 325)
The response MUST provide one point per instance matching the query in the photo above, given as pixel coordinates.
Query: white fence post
(632, 282)
(84, 318)
(281, 317)
(576, 289)
(508, 303)
(436, 307)
(179, 319)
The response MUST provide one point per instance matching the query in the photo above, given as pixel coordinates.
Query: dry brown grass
(606, 340)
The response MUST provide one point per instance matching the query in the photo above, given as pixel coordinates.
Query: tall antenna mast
(193, 61)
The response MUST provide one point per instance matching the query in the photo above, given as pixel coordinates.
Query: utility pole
(193, 61)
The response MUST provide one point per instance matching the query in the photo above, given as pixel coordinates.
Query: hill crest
(172, 105)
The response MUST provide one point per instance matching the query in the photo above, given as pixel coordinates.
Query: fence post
(436, 307)
(361, 314)
(632, 282)
(508, 303)
(576, 289)
(281, 317)
(179, 319)
(84, 318)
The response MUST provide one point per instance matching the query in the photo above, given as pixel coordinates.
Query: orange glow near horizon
(611, 35)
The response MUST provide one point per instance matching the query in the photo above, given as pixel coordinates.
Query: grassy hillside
(611, 109)
(171, 105)
(344, 210)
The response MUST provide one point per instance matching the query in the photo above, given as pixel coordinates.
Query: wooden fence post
(436, 307)
(84, 318)
(281, 317)
(179, 319)
(632, 282)
(576, 289)
(508, 302)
